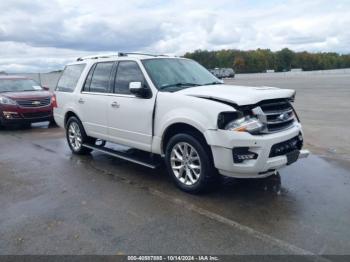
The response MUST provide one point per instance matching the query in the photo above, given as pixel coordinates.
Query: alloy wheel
(185, 163)
(74, 136)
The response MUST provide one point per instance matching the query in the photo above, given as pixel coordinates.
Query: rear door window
(100, 78)
(69, 78)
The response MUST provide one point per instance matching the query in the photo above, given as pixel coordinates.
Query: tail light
(54, 101)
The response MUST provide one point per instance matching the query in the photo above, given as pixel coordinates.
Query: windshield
(18, 85)
(174, 74)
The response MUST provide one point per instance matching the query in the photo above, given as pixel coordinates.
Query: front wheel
(76, 136)
(189, 163)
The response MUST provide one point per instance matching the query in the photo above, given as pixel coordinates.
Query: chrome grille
(40, 102)
(276, 115)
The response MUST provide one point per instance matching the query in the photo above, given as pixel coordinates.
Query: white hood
(240, 95)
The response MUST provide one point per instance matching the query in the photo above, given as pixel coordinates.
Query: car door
(130, 117)
(94, 98)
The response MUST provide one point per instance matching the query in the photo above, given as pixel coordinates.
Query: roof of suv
(118, 56)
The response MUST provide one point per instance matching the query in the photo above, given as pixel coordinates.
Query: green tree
(260, 60)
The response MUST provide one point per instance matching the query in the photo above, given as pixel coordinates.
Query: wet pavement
(52, 202)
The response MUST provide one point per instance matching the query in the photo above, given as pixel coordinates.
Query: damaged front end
(268, 116)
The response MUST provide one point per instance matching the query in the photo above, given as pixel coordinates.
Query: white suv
(176, 110)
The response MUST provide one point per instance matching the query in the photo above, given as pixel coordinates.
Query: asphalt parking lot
(52, 202)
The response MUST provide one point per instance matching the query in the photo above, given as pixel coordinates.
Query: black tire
(208, 174)
(52, 123)
(84, 138)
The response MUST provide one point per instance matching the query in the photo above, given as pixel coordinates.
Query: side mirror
(46, 88)
(137, 89)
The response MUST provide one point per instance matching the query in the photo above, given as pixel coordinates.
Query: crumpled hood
(240, 95)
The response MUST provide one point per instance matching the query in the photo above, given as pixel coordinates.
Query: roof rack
(114, 55)
(97, 56)
(144, 54)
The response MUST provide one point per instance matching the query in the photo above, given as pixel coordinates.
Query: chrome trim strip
(108, 94)
(280, 121)
(278, 112)
(268, 129)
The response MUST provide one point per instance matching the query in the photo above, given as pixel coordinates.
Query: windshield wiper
(178, 85)
(213, 83)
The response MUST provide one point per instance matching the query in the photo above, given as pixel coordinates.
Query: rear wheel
(189, 164)
(76, 137)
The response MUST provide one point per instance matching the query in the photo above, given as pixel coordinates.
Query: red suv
(23, 101)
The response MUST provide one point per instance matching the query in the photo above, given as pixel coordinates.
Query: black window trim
(92, 70)
(115, 71)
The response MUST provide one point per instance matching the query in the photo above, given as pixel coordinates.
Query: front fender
(197, 112)
(197, 120)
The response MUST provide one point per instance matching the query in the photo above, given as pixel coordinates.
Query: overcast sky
(42, 36)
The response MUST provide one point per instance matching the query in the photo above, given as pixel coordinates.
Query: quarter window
(128, 71)
(70, 78)
(100, 78)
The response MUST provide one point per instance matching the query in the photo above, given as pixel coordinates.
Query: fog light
(240, 154)
(10, 115)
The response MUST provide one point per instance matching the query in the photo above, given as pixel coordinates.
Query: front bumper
(14, 117)
(222, 142)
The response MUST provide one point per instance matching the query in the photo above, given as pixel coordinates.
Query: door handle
(115, 104)
(81, 101)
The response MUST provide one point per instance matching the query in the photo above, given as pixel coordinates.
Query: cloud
(43, 35)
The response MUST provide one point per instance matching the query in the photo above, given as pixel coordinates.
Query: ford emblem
(283, 116)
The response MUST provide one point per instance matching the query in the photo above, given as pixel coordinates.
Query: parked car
(177, 111)
(223, 72)
(23, 101)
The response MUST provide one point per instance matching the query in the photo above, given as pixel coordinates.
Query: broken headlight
(245, 124)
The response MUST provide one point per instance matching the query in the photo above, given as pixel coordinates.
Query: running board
(122, 155)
